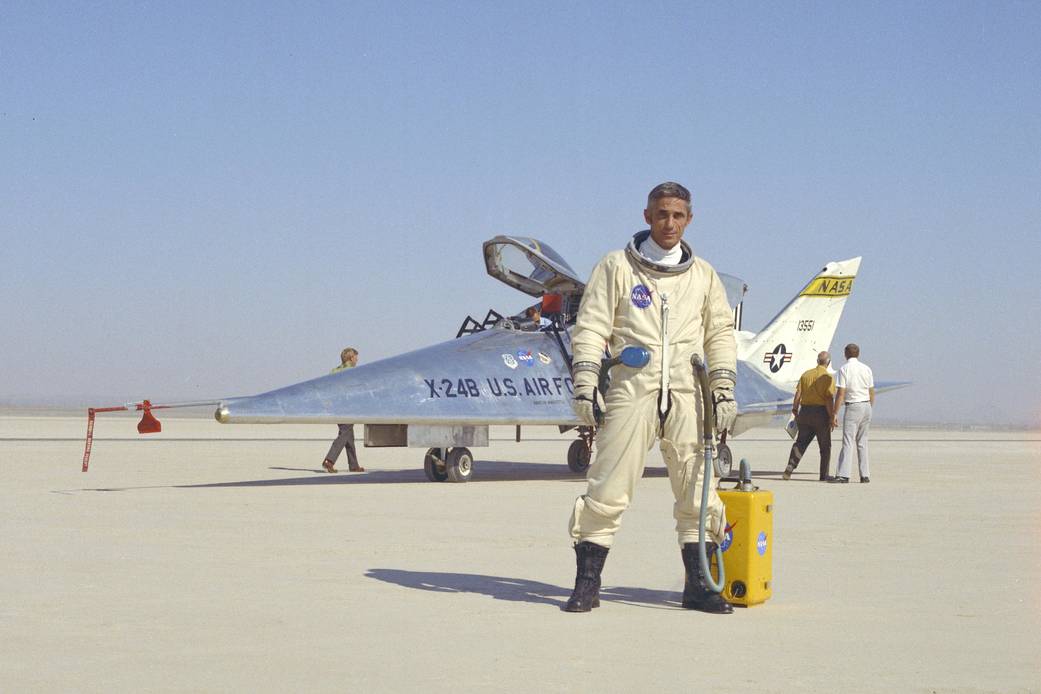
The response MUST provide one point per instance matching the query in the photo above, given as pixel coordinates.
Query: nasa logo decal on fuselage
(525, 357)
(777, 358)
(640, 296)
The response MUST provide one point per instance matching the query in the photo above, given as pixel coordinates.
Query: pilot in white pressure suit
(657, 294)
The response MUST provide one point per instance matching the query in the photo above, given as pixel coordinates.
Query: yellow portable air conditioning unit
(748, 544)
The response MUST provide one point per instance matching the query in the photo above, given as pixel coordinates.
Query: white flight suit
(674, 312)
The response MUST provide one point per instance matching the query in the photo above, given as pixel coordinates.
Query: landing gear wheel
(723, 460)
(578, 456)
(459, 465)
(434, 466)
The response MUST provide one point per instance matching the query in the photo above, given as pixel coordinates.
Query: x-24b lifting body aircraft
(505, 371)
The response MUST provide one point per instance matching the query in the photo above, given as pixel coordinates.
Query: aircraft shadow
(519, 589)
(484, 471)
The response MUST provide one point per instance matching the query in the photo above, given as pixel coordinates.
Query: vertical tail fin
(789, 344)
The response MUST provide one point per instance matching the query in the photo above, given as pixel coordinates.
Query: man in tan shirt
(813, 408)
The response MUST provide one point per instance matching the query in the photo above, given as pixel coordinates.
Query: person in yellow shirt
(348, 360)
(813, 408)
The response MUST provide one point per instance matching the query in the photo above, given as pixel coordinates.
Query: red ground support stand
(90, 429)
(148, 424)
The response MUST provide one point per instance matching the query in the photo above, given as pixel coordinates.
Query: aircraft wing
(758, 400)
(496, 376)
(756, 395)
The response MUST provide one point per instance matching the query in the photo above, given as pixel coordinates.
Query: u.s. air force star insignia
(777, 358)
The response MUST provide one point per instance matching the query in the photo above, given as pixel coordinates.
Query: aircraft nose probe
(221, 414)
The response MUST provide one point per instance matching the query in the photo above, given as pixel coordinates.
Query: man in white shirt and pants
(854, 388)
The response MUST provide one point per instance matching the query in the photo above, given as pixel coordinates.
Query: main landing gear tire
(723, 460)
(434, 466)
(578, 456)
(459, 465)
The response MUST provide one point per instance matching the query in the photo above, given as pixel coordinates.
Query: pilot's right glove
(586, 401)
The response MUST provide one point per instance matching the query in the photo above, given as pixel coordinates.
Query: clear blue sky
(201, 201)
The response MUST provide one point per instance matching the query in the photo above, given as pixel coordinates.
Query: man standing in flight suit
(657, 294)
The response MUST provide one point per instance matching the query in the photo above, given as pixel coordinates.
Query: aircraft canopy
(530, 266)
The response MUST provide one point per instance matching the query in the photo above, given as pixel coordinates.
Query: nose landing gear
(723, 461)
(580, 453)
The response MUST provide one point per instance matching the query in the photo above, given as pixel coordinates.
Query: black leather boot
(696, 593)
(590, 559)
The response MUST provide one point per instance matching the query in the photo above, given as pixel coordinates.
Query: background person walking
(855, 387)
(345, 440)
(814, 410)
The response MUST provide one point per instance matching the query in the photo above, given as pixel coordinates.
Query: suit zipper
(663, 400)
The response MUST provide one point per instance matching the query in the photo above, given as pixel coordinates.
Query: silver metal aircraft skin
(496, 376)
(445, 396)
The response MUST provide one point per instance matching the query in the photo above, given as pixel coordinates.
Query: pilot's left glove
(721, 384)
(586, 401)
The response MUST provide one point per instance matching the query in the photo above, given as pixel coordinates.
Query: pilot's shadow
(518, 589)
